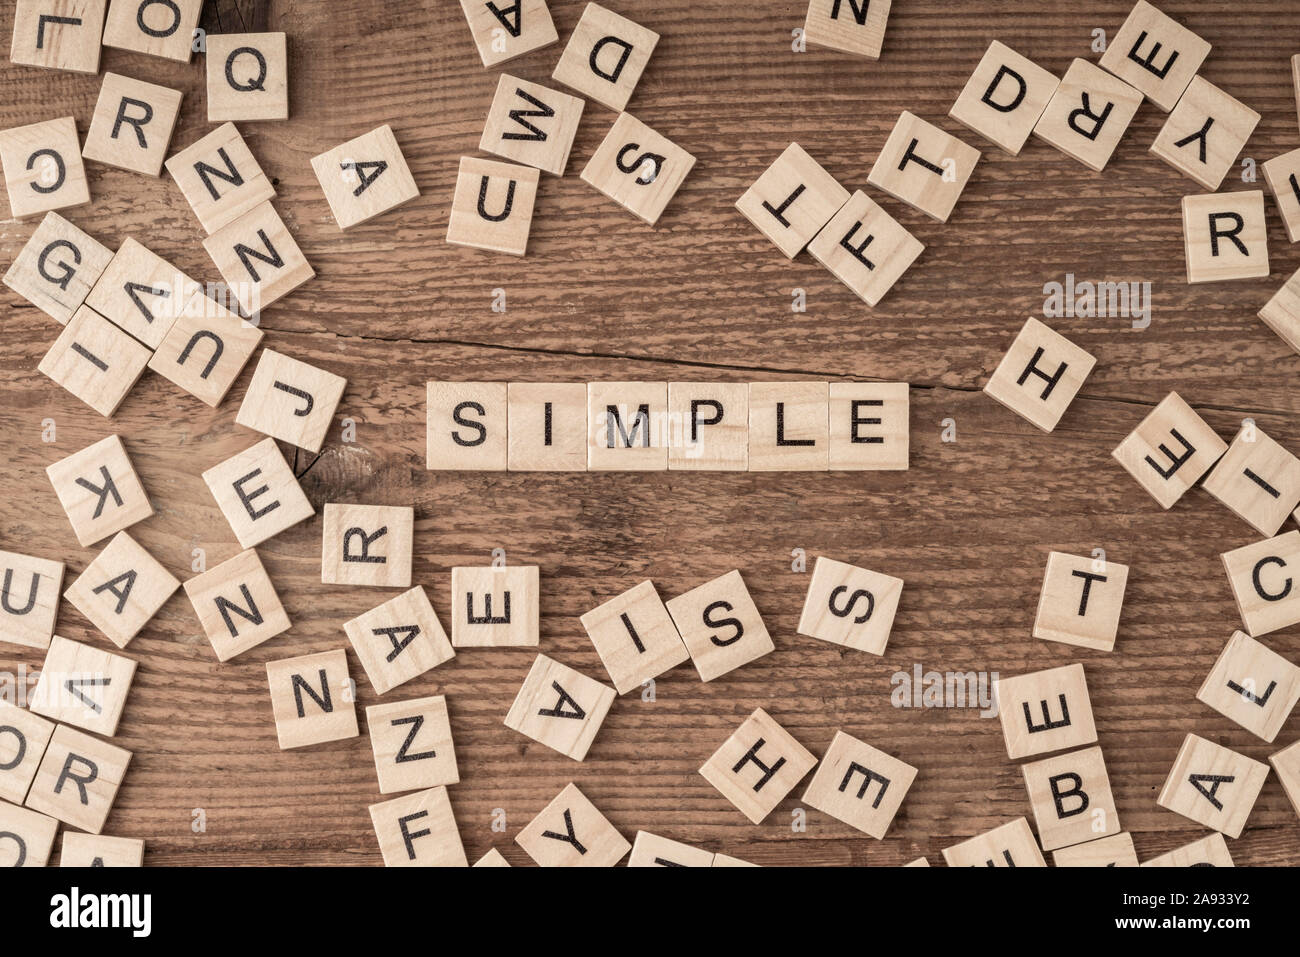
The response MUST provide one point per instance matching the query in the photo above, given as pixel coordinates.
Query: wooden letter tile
(91, 850)
(1204, 134)
(163, 28)
(248, 77)
(1170, 450)
(1282, 174)
(850, 26)
(531, 124)
(638, 168)
(789, 426)
(367, 545)
(23, 737)
(651, 850)
(1011, 845)
(99, 491)
(605, 56)
(570, 832)
(1040, 375)
(1005, 97)
(121, 589)
(865, 248)
(1155, 54)
(29, 599)
(1282, 312)
(494, 607)
(708, 426)
(860, 785)
(720, 626)
(1088, 114)
(43, 168)
(312, 699)
(1071, 798)
(58, 34)
(1114, 851)
(258, 493)
(560, 708)
(792, 200)
(726, 860)
(503, 33)
(850, 606)
(220, 178)
(95, 361)
(1262, 578)
(83, 686)
(26, 837)
(364, 177)
(1209, 851)
(1080, 601)
(398, 640)
(258, 258)
(237, 605)
(466, 426)
(627, 426)
(758, 766)
(1213, 785)
(291, 400)
(412, 744)
(869, 426)
(546, 426)
(1225, 236)
(132, 124)
(493, 858)
(1253, 686)
(635, 637)
(1045, 711)
(418, 830)
(1286, 764)
(1257, 479)
(205, 349)
(57, 268)
(493, 206)
(924, 167)
(141, 293)
(78, 778)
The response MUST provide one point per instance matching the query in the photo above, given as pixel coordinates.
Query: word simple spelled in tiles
(1011, 845)
(635, 637)
(1040, 375)
(1252, 685)
(1071, 798)
(419, 830)
(492, 207)
(1080, 601)
(248, 76)
(1225, 236)
(28, 837)
(96, 850)
(312, 699)
(1114, 851)
(850, 606)
(531, 124)
(924, 167)
(364, 177)
(495, 607)
(1005, 97)
(42, 167)
(23, 737)
(560, 708)
(850, 26)
(99, 491)
(132, 124)
(83, 686)
(258, 258)
(258, 493)
(236, 604)
(570, 832)
(291, 400)
(29, 599)
(58, 36)
(141, 293)
(1282, 173)
(367, 545)
(1155, 54)
(1213, 785)
(502, 33)
(1088, 114)
(1261, 577)
(638, 168)
(78, 778)
(1045, 711)
(605, 56)
(399, 640)
(758, 766)
(205, 349)
(720, 626)
(95, 360)
(792, 200)
(1204, 133)
(412, 744)
(859, 785)
(1209, 851)
(57, 268)
(865, 248)
(1286, 763)
(220, 178)
(1257, 479)
(651, 850)
(162, 28)
(121, 589)
(1170, 450)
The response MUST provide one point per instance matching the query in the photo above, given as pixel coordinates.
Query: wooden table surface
(702, 296)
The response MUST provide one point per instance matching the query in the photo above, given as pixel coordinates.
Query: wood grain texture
(702, 296)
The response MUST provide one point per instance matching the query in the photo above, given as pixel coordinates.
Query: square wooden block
(29, 599)
(205, 349)
(1005, 97)
(708, 426)
(399, 640)
(1205, 133)
(1011, 845)
(605, 56)
(924, 167)
(560, 708)
(1252, 685)
(493, 858)
(726, 860)
(220, 178)
(412, 744)
(57, 268)
(23, 737)
(850, 606)
(546, 426)
(720, 626)
(99, 491)
(638, 168)
(1282, 312)
(1088, 114)
(1209, 851)
(1257, 479)
(466, 426)
(1213, 785)
(635, 637)
(258, 258)
(531, 124)
(96, 850)
(1282, 173)
(365, 177)
(58, 34)
(865, 248)
(367, 545)
(492, 208)
(248, 77)
(850, 27)
(418, 830)
(1040, 375)
(291, 400)
(792, 200)
(141, 293)
(1286, 764)
(1155, 54)
(28, 837)
(95, 361)
(1261, 575)
(494, 607)
(869, 426)
(1045, 711)
(122, 589)
(78, 778)
(312, 699)
(1170, 450)
(1080, 601)
(236, 604)
(84, 686)
(132, 125)
(503, 33)
(570, 832)
(758, 766)
(43, 168)
(789, 426)
(627, 426)
(1114, 851)
(1071, 798)
(162, 28)
(258, 493)
(1225, 236)
(651, 850)
(860, 785)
